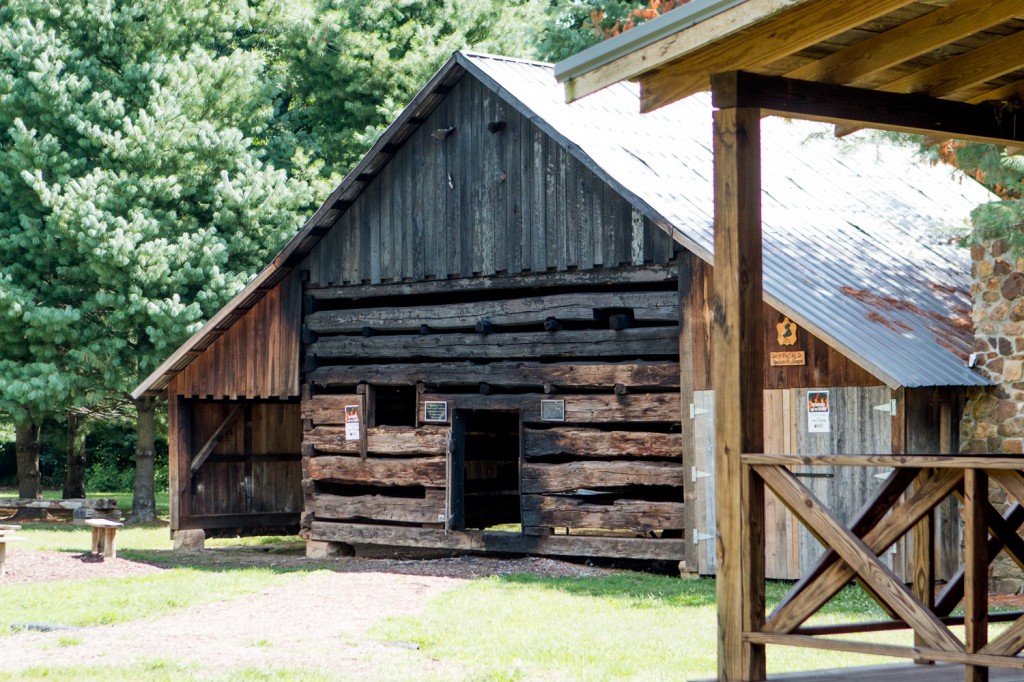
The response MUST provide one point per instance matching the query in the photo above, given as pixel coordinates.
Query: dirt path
(315, 623)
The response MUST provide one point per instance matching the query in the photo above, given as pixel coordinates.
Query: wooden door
(860, 423)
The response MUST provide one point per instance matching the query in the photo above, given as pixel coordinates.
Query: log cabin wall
(545, 405)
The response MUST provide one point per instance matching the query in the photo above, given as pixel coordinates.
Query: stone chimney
(993, 421)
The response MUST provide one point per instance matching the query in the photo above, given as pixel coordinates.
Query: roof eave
(621, 57)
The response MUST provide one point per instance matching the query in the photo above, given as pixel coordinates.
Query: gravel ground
(314, 623)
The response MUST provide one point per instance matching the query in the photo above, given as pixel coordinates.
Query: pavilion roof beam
(785, 33)
(952, 75)
(912, 113)
(971, 68)
(906, 41)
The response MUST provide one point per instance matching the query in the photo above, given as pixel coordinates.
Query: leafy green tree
(349, 67)
(137, 194)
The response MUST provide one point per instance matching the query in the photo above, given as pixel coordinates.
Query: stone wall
(993, 421)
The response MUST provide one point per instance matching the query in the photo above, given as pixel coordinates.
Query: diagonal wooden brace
(859, 556)
(936, 486)
(869, 515)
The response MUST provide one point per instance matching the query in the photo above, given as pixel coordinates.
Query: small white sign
(351, 422)
(818, 411)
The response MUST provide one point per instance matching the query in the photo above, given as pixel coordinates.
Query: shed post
(738, 372)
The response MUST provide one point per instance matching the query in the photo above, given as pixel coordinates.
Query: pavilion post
(738, 374)
(975, 569)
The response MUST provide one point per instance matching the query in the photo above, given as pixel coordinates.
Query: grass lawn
(629, 627)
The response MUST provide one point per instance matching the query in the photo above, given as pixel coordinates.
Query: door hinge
(699, 537)
(889, 407)
(694, 411)
(694, 474)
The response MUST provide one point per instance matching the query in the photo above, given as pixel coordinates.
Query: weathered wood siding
(250, 482)
(258, 357)
(823, 366)
(458, 200)
(861, 423)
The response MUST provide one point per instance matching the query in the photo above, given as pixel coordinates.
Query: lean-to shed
(494, 334)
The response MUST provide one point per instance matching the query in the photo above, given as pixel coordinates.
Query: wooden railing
(906, 500)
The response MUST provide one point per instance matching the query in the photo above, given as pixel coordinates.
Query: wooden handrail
(892, 461)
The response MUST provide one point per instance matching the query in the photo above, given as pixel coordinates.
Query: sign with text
(435, 411)
(552, 410)
(351, 422)
(791, 358)
(818, 411)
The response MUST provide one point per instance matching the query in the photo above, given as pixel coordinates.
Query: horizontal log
(597, 443)
(417, 471)
(99, 503)
(579, 409)
(328, 409)
(497, 542)
(642, 341)
(246, 521)
(554, 478)
(645, 274)
(575, 512)
(639, 375)
(381, 440)
(379, 508)
(660, 306)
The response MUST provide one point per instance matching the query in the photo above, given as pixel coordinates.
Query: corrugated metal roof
(855, 245)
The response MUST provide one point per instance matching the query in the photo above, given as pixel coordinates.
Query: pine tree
(137, 194)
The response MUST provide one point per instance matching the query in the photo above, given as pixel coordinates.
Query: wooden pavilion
(949, 69)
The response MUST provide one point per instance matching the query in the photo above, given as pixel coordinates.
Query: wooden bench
(104, 540)
(7, 536)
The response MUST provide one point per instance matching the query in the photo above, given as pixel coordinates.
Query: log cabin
(494, 334)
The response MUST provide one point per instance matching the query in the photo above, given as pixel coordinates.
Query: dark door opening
(485, 469)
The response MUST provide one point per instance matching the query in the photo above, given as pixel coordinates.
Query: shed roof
(855, 243)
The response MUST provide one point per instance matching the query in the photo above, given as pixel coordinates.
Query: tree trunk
(144, 495)
(26, 446)
(74, 477)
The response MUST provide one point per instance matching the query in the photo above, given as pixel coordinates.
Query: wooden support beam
(971, 68)
(500, 542)
(588, 375)
(894, 461)
(211, 444)
(923, 558)
(908, 40)
(975, 570)
(738, 373)
(820, 521)
(858, 107)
